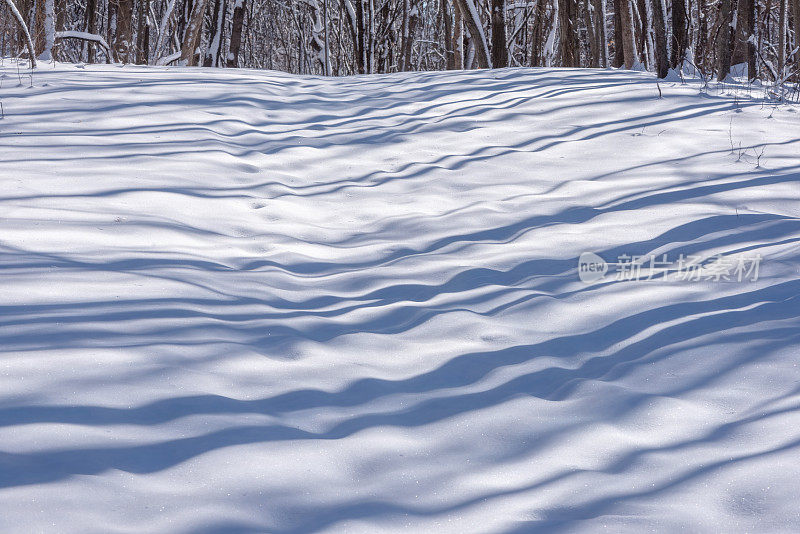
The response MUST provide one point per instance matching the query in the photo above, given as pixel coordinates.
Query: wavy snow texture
(241, 301)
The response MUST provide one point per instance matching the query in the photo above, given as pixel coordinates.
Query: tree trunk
(538, 33)
(143, 34)
(61, 20)
(630, 51)
(361, 30)
(782, 40)
(23, 28)
(567, 24)
(796, 17)
(124, 31)
(405, 32)
(499, 45)
(641, 30)
(236, 33)
(48, 30)
(746, 32)
(447, 22)
(660, 27)
(586, 13)
(619, 39)
(679, 40)
(600, 33)
(702, 44)
(724, 40)
(212, 55)
(326, 39)
(458, 37)
(111, 28)
(191, 37)
(477, 35)
(91, 27)
(36, 27)
(408, 38)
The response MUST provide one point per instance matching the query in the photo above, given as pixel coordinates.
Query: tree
(191, 37)
(679, 33)
(236, 33)
(600, 32)
(122, 38)
(619, 49)
(724, 40)
(781, 40)
(24, 30)
(567, 22)
(660, 27)
(213, 55)
(475, 29)
(591, 39)
(447, 23)
(410, 20)
(143, 33)
(796, 18)
(458, 37)
(341, 37)
(746, 32)
(630, 51)
(49, 27)
(499, 45)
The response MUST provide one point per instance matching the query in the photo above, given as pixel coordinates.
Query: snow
(673, 75)
(238, 301)
(83, 35)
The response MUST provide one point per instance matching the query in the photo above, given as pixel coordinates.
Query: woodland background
(342, 37)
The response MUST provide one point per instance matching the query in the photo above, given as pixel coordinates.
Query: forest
(343, 37)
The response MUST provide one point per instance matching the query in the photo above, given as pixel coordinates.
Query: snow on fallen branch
(169, 59)
(85, 37)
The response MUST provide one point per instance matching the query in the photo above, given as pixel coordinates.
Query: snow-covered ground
(240, 301)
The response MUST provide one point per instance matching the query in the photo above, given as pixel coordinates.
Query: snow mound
(673, 76)
(238, 301)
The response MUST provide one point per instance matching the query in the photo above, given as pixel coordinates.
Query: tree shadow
(398, 291)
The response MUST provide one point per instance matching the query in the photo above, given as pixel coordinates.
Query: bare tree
(746, 32)
(679, 33)
(191, 37)
(24, 30)
(781, 39)
(123, 33)
(724, 40)
(567, 22)
(236, 33)
(447, 23)
(629, 48)
(619, 49)
(796, 18)
(458, 37)
(475, 28)
(660, 27)
(340, 37)
(499, 44)
(213, 54)
(143, 33)
(600, 31)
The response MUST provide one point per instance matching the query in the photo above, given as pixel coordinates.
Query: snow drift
(239, 301)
